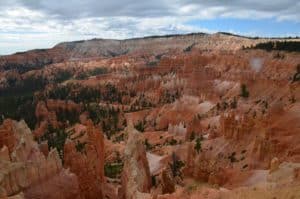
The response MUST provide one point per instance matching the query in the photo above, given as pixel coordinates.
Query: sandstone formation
(47, 112)
(274, 165)
(87, 162)
(25, 168)
(136, 180)
(167, 182)
(234, 127)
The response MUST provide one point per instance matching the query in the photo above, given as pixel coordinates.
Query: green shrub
(296, 77)
(244, 91)
(232, 157)
(198, 146)
(82, 76)
(98, 71)
(173, 142)
(113, 170)
(80, 147)
(192, 137)
(176, 165)
(140, 126)
(290, 46)
(62, 76)
(56, 139)
(153, 180)
(233, 104)
(148, 145)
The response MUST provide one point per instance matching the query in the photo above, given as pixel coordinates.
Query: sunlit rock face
(88, 162)
(26, 169)
(7, 138)
(136, 180)
(235, 127)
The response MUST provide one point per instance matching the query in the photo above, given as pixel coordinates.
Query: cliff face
(25, 169)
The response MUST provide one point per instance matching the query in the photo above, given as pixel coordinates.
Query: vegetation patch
(113, 170)
(290, 46)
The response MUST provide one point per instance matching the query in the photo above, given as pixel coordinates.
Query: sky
(32, 24)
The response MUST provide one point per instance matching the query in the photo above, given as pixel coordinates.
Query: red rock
(7, 137)
(136, 180)
(88, 164)
(28, 169)
(167, 182)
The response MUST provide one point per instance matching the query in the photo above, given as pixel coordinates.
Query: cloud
(76, 9)
(94, 8)
(42, 23)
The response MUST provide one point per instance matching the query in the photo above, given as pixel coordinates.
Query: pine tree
(198, 146)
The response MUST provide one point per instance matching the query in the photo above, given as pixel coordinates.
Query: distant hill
(34, 59)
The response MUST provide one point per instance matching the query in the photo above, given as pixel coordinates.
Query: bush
(56, 139)
(244, 91)
(62, 76)
(98, 71)
(297, 74)
(233, 104)
(153, 180)
(19, 107)
(198, 146)
(173, 142)
(176, 165)
(290, 46)
(140, 126)
(82, 76)
(80, 147)
(148, 145)
(192, 137)
(113, 170)
(232, 157)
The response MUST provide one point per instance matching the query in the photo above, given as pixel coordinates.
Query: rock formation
(274, 165)
(234, 127)
(26, 168)
(46, 113)
(87, 161)
(167, 182)
(7, 136)
(136, 180)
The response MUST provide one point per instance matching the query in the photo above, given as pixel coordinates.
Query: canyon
(194, 116)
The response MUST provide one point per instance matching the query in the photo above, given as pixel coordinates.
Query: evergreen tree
(198, 146)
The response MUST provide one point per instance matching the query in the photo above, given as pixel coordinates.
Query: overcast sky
(29, 24)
